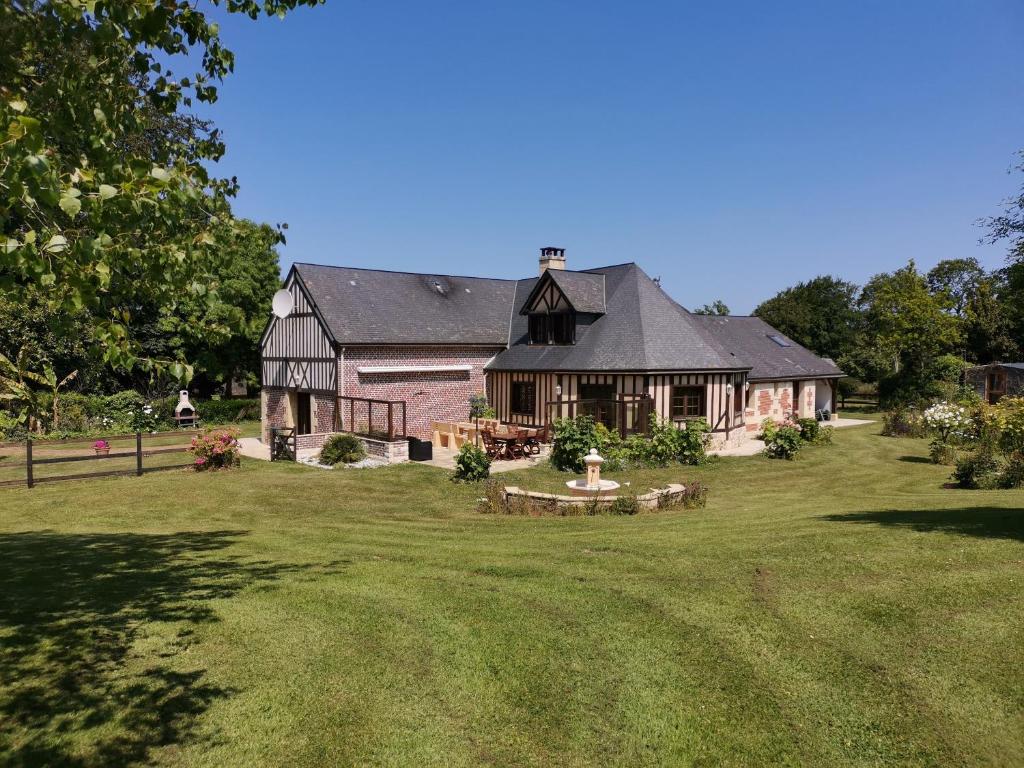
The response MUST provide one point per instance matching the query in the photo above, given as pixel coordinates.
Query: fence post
(28, 461)
(138, 454)
(273, 443)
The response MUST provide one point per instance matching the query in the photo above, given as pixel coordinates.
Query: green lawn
(842, 609)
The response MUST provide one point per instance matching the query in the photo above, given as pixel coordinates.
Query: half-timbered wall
(718, 403)
(296, 352)
(550, 299)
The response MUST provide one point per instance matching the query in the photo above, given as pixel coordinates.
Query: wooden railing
(43, 453)
(371, 418)
(283, 444)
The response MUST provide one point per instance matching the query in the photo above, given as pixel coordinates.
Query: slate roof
(625, 322)
(749, 338)
(369, 306)
(642, 329)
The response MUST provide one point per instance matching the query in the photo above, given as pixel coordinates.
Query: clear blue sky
(733, 149)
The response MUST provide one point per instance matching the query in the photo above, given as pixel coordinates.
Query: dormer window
(552, 328)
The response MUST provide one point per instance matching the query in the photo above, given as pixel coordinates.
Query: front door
(303, 421)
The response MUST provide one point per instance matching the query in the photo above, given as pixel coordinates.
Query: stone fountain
(592, 485)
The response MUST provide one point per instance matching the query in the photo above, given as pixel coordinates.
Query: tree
(987, 327)
(958, 280)
(1008, 226)
(912, 328)
(105, 197)
(222, 338)
(820, 314)
(717, 307)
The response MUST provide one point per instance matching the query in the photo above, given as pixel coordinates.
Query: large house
(406, 349)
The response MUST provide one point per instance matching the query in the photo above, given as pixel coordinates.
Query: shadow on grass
(916, 459)
(75, 690)
(989, 522)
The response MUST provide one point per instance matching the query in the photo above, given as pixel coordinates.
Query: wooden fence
(41, 454)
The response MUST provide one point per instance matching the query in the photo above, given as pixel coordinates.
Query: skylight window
(779, 340)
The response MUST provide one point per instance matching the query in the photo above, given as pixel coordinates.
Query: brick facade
(769, 400)
(436, 395)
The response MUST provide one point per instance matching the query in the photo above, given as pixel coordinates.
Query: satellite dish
(282, 303)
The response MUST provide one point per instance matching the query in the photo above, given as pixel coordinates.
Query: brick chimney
(551, 258)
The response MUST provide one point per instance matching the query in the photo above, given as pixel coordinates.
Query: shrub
(825, 435)
(1013, 475)
(942, 452)
(624, 504)
(695, 496)
(573, 439)
(782, 443)
(948, 421)
(809, 429)
(471, 464)
(1006, 422)
(342, 449)
(978, 469)
(215, 449)
(224, 411)
(692, 442)
(903, 422)
(493, 500)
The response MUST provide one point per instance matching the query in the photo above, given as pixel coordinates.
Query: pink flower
(200, 461)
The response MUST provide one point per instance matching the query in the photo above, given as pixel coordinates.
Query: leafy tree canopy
(820, 314)
(717, 307)
(106, 203)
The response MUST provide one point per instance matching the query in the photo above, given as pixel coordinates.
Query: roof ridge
(403, 272)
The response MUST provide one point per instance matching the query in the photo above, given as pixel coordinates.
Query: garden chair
(492, 447)
(531, 443)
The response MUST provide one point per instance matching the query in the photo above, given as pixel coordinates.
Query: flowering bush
(948, 420)
(1007, 420)
(215, 449)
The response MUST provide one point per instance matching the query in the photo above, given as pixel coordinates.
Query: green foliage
(573, 439)
(820, 314)
(226, 410)
(942, 452)
(471, 464)
(782, 442)
(913, 328)
(624, 504)
(478, 407)
(107, 200)
(342, 449)
(810, 430)
(663, 444)
(904, 421)
(695, 495)
(979, 469)
(717, 307)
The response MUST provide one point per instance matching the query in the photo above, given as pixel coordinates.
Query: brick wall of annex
(775, 400)
(437, 396)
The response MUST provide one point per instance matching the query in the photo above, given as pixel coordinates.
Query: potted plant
(102, 447)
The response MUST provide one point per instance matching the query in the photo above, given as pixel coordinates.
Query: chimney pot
(551, 258)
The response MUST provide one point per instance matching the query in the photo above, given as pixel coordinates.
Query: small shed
(997, 380)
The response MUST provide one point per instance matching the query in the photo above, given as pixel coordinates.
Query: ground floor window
(687, 402)
(524, 397)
